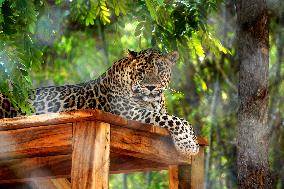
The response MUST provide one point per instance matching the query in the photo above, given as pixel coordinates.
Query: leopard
(133, 87)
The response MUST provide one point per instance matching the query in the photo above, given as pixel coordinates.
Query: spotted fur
(132, 87)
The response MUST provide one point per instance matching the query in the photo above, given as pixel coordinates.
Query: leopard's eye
(161, 66)
(161, 69)
(141, 75)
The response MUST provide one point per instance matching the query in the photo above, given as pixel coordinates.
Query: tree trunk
(253, 130)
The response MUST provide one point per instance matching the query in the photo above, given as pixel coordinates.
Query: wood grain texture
(57, 140)
(42, 184)
(90, 156)
(36, 141)
(81, 115)
(127, 164)
(61, 183)
(173, 177)
(62, 117)
(188, 176)
(27, 169)
(38, 167)
(31, 148)
(197, 170)
(38, 183)
(145, 145)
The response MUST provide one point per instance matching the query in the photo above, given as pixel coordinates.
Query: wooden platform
(47, 150)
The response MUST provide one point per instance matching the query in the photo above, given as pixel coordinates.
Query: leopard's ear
(173, 56)
(131, 54)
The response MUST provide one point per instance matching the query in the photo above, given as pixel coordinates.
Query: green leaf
(103, 7)
(160, 2)
(218, 44)
(195, 43)
(32, 27)
(1, 1)
(151, 5)
(106, 13)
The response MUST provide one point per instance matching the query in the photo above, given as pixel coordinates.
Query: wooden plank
(36, 141)
(26, 169)
(81, 115)
(146, 146)
(75, 116)
(38, 183)
(90, 156)
(197, 170)
(61, 183)
(57, 140)
(42, 184)
(62, 117)
(17, 185)
(188, 176)
(146, 127)
(127, 164)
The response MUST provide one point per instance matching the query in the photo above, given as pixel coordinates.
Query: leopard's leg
(180, 130)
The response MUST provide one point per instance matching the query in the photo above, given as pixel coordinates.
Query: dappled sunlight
(56, 43)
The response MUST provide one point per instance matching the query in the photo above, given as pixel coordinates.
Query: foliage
(18, 49)
(42, 44)
(88, 12)
(149, 180)
(28, 32)
(178, 25)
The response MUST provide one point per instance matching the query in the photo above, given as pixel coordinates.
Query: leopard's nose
(151, 87)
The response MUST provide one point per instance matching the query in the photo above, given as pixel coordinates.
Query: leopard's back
(58, 99)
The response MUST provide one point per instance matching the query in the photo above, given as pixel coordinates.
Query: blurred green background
(56, 42)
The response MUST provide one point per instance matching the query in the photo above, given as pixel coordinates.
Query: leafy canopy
(170, 25)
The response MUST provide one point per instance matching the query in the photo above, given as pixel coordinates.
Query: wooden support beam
(56, 140)
(188, 176)
(128, 164)
(90, 156)
(62, 117)
(28, 169)
(18, 185)
(42, 183)
(61, 183)
(146, 146)
(36, 141)
(80, 115)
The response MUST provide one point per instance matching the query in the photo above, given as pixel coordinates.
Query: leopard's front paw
(185, 141)
(187, 146)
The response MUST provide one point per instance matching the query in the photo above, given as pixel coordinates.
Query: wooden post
(173, 177)
(197, 170)
(188, 176)
(90, 156)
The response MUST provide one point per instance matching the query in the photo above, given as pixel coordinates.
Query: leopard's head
(152, 72)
